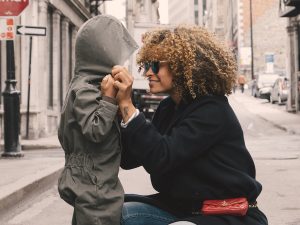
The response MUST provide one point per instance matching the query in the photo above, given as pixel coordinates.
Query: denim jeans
(137, 213)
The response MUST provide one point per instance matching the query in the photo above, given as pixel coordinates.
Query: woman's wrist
(134, 115)
(127, 110)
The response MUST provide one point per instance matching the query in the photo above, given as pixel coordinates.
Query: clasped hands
(118, 85)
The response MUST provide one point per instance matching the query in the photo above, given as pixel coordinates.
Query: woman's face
(162, 81)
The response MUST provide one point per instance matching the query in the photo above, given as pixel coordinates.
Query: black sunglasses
(154, 65)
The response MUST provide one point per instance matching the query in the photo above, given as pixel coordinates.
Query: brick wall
(259, 7)
(269, 32)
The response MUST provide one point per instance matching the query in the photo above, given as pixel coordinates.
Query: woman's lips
(153, 81)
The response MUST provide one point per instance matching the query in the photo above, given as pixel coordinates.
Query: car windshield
(267, 79)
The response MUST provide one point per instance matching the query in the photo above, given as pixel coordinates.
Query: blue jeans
(137, 213)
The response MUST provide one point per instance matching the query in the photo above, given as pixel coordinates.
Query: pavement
(272, 113)
(43, 158)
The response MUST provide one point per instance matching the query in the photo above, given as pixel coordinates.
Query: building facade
(221, 17)
(214, 17)
(52, 63)
(185, 12)
(230, 21)
(269, 37)
(141, 15)
(289, 11)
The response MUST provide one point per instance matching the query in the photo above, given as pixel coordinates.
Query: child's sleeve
(94, 115)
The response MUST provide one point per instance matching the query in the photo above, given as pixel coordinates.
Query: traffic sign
(7, 31)
(12, 7)
(30, 30)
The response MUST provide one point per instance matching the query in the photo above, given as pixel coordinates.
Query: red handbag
(233, 206)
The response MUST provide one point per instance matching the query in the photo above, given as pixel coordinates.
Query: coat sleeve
(94, 115)
(192, 137)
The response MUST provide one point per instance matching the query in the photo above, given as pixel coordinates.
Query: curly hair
(200, 64)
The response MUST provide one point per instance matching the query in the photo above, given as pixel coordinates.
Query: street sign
(30, 30)
(12, 7)
(7, 31)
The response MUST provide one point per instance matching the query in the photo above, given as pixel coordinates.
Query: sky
(117, 9)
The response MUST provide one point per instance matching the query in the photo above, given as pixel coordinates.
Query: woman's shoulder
(212, 99)
(209, 102)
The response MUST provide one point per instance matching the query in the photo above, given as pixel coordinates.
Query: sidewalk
(26, 176)
(42, 143)
(274, 114)
(43, 159)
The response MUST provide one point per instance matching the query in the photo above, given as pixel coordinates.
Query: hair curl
(200, 64)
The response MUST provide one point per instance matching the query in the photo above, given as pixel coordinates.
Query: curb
(35, 146)
(28, 191)
(290, 131)
(281, 124)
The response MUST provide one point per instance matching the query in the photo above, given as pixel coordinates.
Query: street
(275, 152)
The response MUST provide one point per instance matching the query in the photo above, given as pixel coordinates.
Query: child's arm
(108, 90)
(95, 115)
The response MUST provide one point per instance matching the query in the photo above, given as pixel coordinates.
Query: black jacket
(193, 153)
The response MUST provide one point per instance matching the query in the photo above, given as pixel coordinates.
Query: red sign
(7, 29)
(12, 7)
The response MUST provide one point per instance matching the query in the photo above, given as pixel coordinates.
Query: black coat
(193, 153)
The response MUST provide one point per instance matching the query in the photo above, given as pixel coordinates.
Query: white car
(279, 92)
(264, 84)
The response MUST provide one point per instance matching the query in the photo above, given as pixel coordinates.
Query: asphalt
(43, 158)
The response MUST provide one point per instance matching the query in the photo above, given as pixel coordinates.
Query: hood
(101, 43)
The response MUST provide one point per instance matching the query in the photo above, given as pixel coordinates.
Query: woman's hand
(107, 87)
(123, 83)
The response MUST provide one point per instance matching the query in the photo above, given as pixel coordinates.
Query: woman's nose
(149, 72)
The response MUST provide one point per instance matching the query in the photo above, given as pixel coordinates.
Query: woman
(194, 147)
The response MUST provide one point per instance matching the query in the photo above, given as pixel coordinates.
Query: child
(89, 130)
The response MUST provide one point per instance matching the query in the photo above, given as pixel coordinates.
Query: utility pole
(251, 42)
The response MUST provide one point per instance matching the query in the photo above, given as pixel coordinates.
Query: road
(276, 155)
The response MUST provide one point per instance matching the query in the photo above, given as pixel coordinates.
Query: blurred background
(263, 36)
(37, 39)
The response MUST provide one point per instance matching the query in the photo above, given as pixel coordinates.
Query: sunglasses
(154, 65)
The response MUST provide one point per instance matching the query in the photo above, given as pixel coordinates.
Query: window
(196, 17)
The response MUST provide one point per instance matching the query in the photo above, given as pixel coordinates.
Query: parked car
(279, 92)
(147, 102)
(263, 85)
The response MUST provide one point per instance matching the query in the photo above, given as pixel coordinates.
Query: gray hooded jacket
(88, 130)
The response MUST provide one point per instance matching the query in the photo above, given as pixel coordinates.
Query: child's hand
(123, 82)
(107, 87)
